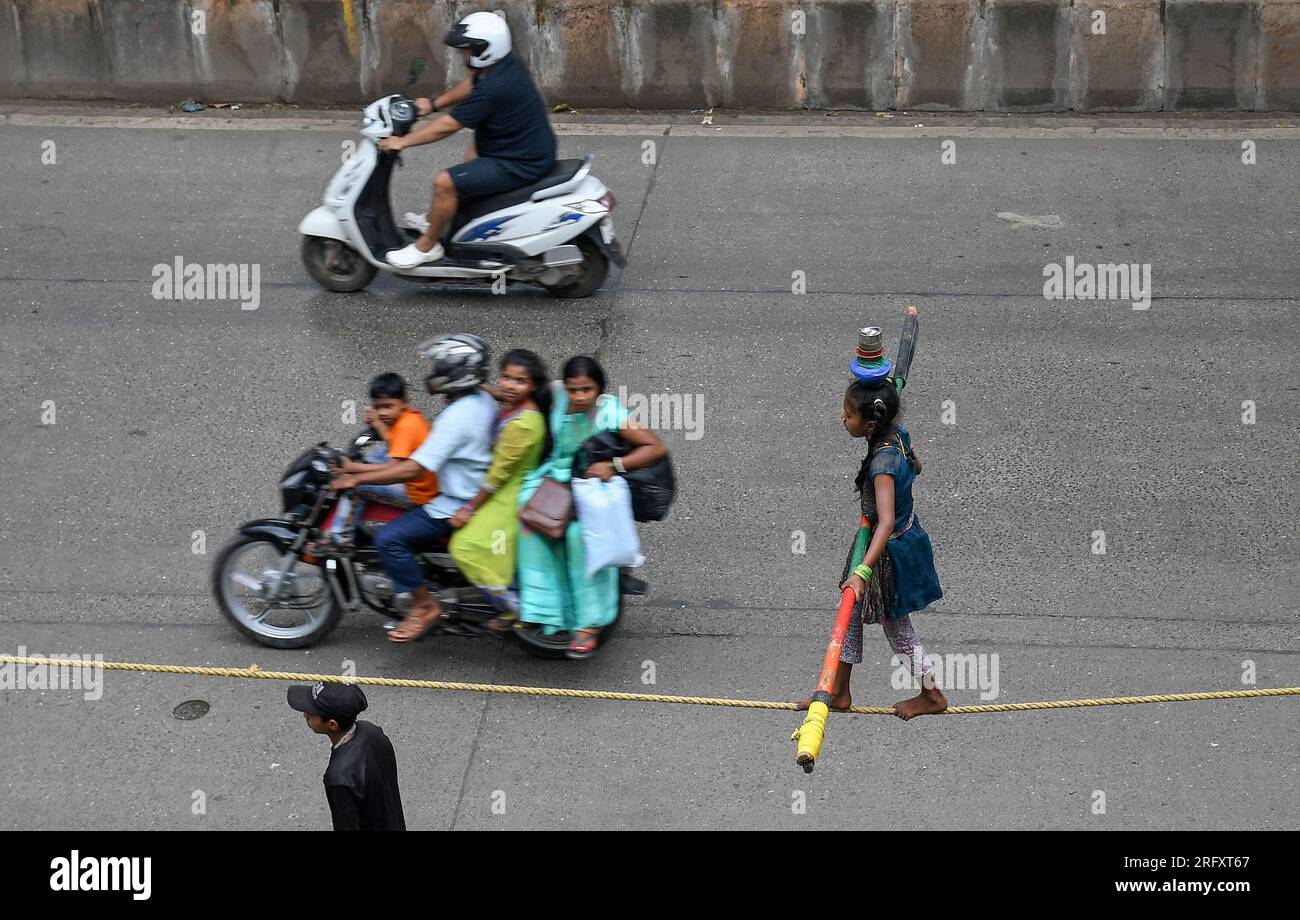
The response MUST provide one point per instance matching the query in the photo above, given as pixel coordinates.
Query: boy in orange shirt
(403, 429)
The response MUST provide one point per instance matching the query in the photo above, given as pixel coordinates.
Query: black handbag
(653, 487)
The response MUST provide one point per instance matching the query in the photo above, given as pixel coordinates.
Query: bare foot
(837, 704)
(926, 703)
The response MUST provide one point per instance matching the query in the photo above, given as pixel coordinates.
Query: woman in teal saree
(555, 591)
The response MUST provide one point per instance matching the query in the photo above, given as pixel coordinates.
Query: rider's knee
(443, 185)
(385, 542)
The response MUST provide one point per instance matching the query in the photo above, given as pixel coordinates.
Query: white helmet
(485, 35)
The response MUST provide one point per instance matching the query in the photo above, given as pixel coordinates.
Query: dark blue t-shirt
(508, 117)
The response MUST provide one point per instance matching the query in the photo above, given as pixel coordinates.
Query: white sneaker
(417, 222)
(410, 257)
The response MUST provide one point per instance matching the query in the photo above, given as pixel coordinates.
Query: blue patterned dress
(904, 579)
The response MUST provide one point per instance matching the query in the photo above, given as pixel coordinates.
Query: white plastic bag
(604, 512)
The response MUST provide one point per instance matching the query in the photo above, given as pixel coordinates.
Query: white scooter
(557, 232)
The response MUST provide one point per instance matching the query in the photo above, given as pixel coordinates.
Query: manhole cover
(191, 709)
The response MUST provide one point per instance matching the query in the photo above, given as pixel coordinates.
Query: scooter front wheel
(335, 265)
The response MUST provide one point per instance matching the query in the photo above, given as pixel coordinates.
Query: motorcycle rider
(513, 142)
(458, 450)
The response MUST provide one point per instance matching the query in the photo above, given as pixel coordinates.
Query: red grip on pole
(831, 663)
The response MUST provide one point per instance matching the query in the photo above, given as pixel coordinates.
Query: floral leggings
(902, 639)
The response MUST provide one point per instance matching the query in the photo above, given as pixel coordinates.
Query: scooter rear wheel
(335, 265)
(591, 273)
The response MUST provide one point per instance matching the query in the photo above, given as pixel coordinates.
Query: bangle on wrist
(618, 465)
(863, 571)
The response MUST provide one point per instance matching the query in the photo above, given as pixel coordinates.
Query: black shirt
(508, 116)
(361, 783)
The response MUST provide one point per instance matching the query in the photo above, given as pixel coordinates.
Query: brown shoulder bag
(550, 509)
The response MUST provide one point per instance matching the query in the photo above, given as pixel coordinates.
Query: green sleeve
(514, 444)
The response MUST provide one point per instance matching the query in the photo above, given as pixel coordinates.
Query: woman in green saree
(555, 591)
(488, 525)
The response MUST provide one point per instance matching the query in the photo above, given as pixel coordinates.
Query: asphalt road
(1040, 422)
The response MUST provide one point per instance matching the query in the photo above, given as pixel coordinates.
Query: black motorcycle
(271, 587)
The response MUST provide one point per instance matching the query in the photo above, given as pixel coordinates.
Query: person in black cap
(361, 779)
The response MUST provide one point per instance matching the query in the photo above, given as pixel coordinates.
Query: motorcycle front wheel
(273, 598)
(335, 265)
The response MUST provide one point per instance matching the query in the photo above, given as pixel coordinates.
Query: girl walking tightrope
(893, 575)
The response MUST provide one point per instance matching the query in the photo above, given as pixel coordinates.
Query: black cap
(330, 701)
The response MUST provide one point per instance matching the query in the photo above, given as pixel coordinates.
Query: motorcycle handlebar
(401, 111)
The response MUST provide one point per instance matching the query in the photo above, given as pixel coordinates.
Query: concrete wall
(996, 55)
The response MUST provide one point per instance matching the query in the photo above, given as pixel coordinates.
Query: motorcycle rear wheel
(320, 610)
(335, 265)
(556, 644)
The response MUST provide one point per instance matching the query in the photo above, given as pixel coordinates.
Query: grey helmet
(460, 362)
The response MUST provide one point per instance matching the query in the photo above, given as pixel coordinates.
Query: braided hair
(877, 403)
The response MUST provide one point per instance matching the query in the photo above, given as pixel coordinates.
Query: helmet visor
(458, 37)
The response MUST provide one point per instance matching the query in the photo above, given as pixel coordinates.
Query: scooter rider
(513, 142)
(458, 450)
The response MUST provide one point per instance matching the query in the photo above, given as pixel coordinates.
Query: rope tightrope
(256, 673)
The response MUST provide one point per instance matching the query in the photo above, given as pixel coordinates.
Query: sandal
(583, 645)
(415, 626)
(501, 625)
